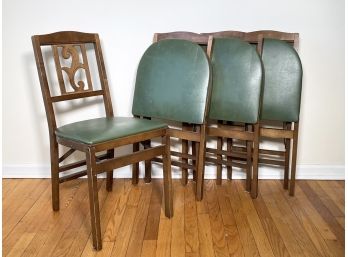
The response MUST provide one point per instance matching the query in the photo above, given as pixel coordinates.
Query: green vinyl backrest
(237, 81)
(172, 82)
(283, 81)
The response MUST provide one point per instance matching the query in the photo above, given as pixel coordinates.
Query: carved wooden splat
(72, 52)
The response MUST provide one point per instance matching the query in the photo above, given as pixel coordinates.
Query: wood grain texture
(227, 222)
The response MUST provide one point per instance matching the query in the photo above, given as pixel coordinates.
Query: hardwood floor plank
(153, 218)
(149, 248)
(308, 225)
(335, 194)
(47, 218)
(16, 211)
(178, 221)
(106, 206)
(125, 230)
(255, 224)
(191, 224)
(274, 237)
(137, 236)
(21, 245)
(76, 207)
(82, 238)
(206, 246)
(301, 235)
(323, 211)
(164, 238)
(245, 233)
(8, 186)
(231, 231)
(282, 226)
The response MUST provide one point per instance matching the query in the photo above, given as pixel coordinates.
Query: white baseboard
(315, 172)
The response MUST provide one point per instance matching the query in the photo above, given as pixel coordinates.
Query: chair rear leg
(93, 199)
(286, 126)
(167, 179)
(293, 160)
(255, 173)
(184, 150)
(135, 167)
(110, 173)
(55, 175)
(200, 164)
(195, 151)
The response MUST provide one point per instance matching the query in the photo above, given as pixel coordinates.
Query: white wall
(126, 29)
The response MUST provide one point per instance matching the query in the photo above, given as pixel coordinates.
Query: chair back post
(70, 39)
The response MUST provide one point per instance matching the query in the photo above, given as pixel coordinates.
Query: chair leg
(293, 160)
(249, 146)
(255, 177)
(229, 158)
(219, 158)
(184, 150)
(195, 151)
(147, 178)
(200, 164)
(286, 126)
(135, 168)
(55, 175)
(93, 199)
(110, 173)
(167, 177)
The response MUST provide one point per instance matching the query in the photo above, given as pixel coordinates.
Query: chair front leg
(293, 160)
(200, 164)
(184, 150)
(286, 126)
(167, 177)
(110, 173)
(55, 174)
(249, 146)
(219, 159)
(135, 167)
(255, 171)
(93, 198)
(147, 178)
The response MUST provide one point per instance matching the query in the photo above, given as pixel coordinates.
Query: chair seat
(105, 129)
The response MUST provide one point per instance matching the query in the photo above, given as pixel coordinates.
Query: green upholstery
(283, 82)
(237, 81)
(105, 129)
(172, 82)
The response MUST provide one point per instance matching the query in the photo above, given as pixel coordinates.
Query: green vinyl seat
(237, 81)
(283, 81)
(172, 82)
(99, 130)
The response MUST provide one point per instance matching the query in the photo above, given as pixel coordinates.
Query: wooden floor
(226, 223)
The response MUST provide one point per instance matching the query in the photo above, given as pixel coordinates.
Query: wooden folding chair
(281, 99)
(185, 102)
(94, 135)
(235, 98)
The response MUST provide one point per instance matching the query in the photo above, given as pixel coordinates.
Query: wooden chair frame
(95, 164)
(194, 133)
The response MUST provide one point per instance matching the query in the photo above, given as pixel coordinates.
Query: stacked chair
(228, 85)
(280, 103)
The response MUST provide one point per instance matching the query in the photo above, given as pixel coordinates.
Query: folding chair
(185, 101)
